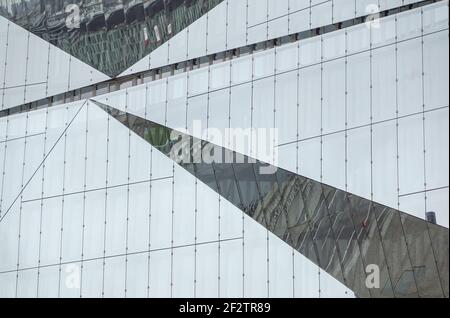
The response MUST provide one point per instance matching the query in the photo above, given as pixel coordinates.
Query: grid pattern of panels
(236, 23)
(32, 69)
(108, 215)
(340, 232)
(364, 109)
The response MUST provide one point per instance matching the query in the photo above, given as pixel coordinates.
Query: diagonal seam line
(42, 162)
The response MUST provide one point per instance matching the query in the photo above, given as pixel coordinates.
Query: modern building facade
(235, 148)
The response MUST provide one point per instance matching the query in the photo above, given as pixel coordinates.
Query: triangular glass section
(353, 239)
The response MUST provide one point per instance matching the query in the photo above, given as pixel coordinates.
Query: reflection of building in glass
(106, 26)
(349, 199)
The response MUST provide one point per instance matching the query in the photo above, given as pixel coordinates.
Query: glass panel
(263, 104)
(92, 279)
(396, 252)
(409, 24)
(384, 163)
(217, 31)
(359, 161)
(384, 83)
(75, 153)
(280, 268)
(333, 105)
(231, 220)
(183, 272)
(160, 279)
(333, 160)
(227, 184)
(207, 214)
(184, 217)
(321, 14)
(96, 149)
(231, 269)
(16, 53)
(299, 20)
(29, 234)
(178, 47)
(114, 277)
(286, 99)
(198, 81)
(240, 117)
(72, 234)
(48, 286)
(207, 270)
(118, 152)
(8, 283)
(287, 57)
(435, 17)
(136, 100)
(358, 90)
(220, 75)
(306, 277)
(9, 233)
(436, 153)
(310, 51)
(237, 21)
(58, 71)
(161, 214)
(197, 112)
(138, 217)
(218, 113)
(410, 152)
(255, 259)
(333, 45)
(70, 281)
(94, 224)
(437, 201)
(385, 33)
(241, 70)
(258, 11)
(439, 240)
(309, 122)
(264, 63)
(137, 275)
(140, 159)
(435, 59)
(27, 282)
(197, 38)
(50, 239)
(409, 77)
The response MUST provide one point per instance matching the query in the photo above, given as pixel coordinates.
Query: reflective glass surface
(342, 233)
